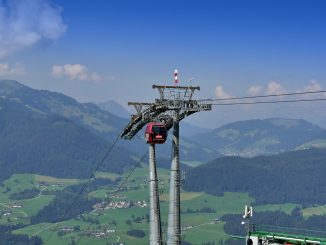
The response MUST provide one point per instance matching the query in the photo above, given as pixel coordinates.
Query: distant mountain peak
(104, 123)
(8, 86)
(260, 136)
(115, 108)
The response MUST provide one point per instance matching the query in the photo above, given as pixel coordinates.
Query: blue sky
(101, 50)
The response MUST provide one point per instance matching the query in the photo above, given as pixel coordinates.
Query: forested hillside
(293, 177)
(100, 122)
(33, 142)
(7, 238)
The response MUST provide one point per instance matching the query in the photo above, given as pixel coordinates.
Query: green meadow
(198, 226)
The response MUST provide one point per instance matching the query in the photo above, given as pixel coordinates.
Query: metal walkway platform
(260, 235)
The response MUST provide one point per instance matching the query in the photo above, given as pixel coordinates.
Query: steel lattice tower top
(172, 98)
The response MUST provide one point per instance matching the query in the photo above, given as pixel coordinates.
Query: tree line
(293, 177)
(8, 238)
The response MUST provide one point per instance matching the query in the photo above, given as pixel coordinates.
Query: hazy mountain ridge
(89, 115)
(114, 108)
(248, 138)
(34, 142)
(261, 137)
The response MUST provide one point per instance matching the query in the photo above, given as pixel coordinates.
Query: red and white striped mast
(175, 76)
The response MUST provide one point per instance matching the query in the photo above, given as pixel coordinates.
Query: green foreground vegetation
(201, 212)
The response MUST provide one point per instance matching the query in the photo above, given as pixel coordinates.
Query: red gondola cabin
(155, 133)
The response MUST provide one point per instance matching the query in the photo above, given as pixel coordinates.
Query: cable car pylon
(174, 220)
(155, 236)
(155, 133)
(174, 104)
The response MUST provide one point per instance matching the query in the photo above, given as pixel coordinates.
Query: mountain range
(114, 108)
(49, 144)
(100, 122)
(263, 137)
(87, 114)
(51, 133)
(250, 137)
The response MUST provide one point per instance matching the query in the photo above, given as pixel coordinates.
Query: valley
(45, 191)
(116, 219)
(201, 212)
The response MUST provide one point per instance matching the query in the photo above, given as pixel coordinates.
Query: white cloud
(7, 70)
(24, 23)
(274, 87)
(312, 86)
(75, 72)
(57, 71)
(221, 94)
(95, 77)
(255, 90)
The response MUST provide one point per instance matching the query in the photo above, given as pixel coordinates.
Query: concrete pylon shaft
(174, 224)
(155, 237)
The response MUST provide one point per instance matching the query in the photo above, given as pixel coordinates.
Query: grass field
(20, 182)
(17, 183)
(201, 227)
(200, 222)
(32, 206)
(193, 163)
(205, 232)
(111, 176)
(52, 180)
(286, 208)
(317, 210)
